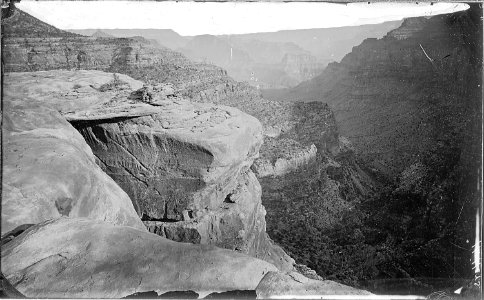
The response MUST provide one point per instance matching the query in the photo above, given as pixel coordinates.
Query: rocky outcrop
(263, 167)
(78, 258)
(183, 156)
(101, 34)
(48, 169)
(200, 149)
(283, 285)
(237, 224)
(184, 165)
(28, 46)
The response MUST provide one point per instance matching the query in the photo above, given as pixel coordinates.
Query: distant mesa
(101, 34)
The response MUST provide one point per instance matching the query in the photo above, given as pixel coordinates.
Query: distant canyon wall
(396, 97)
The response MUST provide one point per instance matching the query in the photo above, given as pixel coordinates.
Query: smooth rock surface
(49, 171)
(93, 259)
(276, 284)
(184, 165)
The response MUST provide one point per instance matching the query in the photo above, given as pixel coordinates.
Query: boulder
(84, 258)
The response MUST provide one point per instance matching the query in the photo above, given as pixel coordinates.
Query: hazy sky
(192, 18)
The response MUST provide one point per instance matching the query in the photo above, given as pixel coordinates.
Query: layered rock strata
(295, 159)
(31, 45)
(396, 97)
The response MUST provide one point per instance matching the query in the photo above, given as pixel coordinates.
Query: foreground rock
(276, 284)
(184, 165)
(73, 258)
(49, 170)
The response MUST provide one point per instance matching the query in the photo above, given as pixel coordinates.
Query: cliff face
(312, 182)
(410, 103)
(50, 49)
(262, 64)
(301, 67)
(391, 96)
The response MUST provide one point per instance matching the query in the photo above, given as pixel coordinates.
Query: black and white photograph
(241, 150)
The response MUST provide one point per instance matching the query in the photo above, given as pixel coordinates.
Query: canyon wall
(391, 96)
(31, 45)
(411, 105)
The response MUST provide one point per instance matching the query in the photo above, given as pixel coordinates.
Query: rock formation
(296, 159)
(48, 170)
(301, 67)
(401, 88)
(184, 165)
(64, 256)
(277, 284)
(411, 105)
(28, 46)
(192, 159)
(79, 258)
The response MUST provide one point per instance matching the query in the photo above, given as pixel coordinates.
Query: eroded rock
(86, 258)
(277, 284)
(49, 170)
(184, 165)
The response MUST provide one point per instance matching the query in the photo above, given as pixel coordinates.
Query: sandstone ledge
(49, 171)
(79, 258)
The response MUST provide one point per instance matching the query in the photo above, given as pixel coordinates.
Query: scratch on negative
(431, 60)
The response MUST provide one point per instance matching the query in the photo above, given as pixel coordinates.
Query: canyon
(410, 104)
(269, 60)
(177, 168)
(185, 165)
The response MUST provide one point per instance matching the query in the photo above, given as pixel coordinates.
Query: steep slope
(23, 25)
(185, 166)
(215, 199)
(136, 57)
(241, 228)
(390, 96)
(411, 104)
